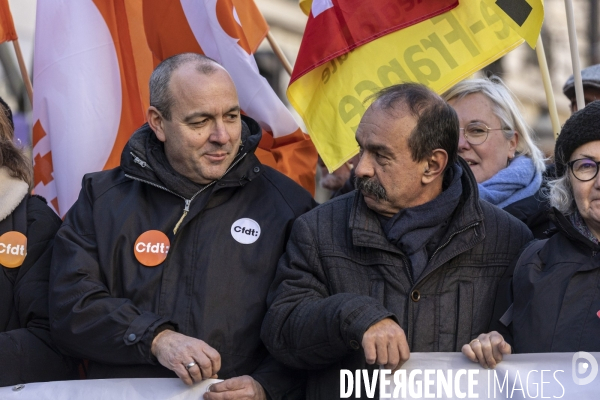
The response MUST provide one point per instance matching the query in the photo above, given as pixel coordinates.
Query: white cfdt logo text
(151, 248)
(245, 231)
(13, 249)
(584, 363)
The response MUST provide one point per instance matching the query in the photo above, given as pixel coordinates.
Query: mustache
(371, 187)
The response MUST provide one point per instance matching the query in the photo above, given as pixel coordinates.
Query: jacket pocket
(464, 312)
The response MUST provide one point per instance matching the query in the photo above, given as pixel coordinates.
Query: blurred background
(519, 69)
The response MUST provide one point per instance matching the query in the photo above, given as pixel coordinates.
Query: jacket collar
(244, 168)
(564, 226)
(367, 231)
(12, 192)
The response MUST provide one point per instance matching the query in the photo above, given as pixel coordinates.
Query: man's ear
(155, 121)
(436, 164)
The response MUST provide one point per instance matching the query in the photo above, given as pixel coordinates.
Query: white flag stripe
(257, 98)
(318, 6)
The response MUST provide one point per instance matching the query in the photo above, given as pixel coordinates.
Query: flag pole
(541, 56)
(279, 53)
(574, 55)
(23, 69)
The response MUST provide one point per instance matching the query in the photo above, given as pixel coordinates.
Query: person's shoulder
(499, 221)
(40, 216)
(297, 198)
(100, 182)
(338, 207)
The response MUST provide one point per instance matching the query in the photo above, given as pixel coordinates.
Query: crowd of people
(449, 232)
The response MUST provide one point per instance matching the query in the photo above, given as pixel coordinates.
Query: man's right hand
(488, 349)
(385, 343)
(175, 351)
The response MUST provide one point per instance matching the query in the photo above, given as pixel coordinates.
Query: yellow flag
(524, 16)
(437, 52)
(305, 6)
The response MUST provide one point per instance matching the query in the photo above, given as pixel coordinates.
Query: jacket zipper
(139, 161)
(408, 267)
(187, 202)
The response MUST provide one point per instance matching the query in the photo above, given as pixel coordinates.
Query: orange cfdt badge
(13, 249)
(151, 248)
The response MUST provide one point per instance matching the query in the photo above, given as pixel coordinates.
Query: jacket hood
(12, 192)
(138, 163)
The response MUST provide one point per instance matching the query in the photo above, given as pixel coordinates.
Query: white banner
(424, 376)
(109, 389)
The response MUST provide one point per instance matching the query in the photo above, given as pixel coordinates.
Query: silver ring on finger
(190, 365)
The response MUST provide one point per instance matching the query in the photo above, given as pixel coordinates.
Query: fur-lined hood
(12, 192)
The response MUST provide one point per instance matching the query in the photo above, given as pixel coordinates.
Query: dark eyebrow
(200, 114)
(374, 148)
(378, 148)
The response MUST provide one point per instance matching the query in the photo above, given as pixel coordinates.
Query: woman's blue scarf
(511, 184)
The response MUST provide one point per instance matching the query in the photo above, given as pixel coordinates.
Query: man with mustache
(408, 262)
(162, 266)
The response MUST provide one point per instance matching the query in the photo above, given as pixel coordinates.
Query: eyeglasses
(477, 132)
(584, 169)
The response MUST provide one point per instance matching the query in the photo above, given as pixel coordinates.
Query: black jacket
(27, 353)
(555, 292)
(341, 275)
(106, 306)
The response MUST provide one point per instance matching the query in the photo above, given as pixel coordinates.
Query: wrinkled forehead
(197, 87)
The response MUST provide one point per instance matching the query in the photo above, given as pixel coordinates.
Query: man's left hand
(239, 388)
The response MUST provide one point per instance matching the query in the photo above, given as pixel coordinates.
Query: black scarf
(415, 230)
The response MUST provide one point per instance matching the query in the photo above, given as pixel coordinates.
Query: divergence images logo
(581, 367)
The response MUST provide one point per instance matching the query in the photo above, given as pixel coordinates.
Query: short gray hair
(560, 194)
(436, 122)
(160, 96)
(505, 108)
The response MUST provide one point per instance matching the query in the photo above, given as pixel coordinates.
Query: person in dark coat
(163, 265)
(550, 298)
(27, 229)
(408, 262)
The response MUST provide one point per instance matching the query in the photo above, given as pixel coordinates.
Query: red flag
(347, 24)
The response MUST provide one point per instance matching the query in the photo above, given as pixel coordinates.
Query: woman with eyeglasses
(552, 301)
(498, 146)
(27, 229)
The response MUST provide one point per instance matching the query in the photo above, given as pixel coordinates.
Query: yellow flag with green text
(437, 52)
(524, 16)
